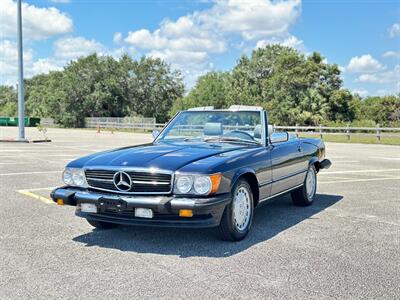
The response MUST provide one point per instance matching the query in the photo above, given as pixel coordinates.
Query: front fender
(239, 173)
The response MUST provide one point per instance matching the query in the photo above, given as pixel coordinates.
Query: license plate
(88, 208)
(143, 213)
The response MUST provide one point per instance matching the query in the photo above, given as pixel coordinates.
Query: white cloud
(394, 30)
(290, 41)
(74, 47)
(184, 26)
(392, 76)
(44, 66)
(118, 52)
(38, 23)
(188, 42)
(117, 37)
(9, 63)
(368, 78)
(252, 19)
(170, 36)
(361, 92)
(342, 69)
(183, 44)
(365, 63)
(391, 54)
(146, 40)
(184, 57)
(9, 58)
(8, 51)
(191, 64)
(64, 50)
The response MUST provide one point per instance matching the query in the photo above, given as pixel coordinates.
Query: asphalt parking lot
(346, 245)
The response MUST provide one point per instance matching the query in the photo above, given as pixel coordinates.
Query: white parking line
(327, 177)
(363, 171)
(361, 180)
(39, 189)
(14, 163)
(386, 158)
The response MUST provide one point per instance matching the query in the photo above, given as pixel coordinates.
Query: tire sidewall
(239, 234)
(305, 194)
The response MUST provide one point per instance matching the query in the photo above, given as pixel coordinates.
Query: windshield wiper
(230, 140)
(187, 139)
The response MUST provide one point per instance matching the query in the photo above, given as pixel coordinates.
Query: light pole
(21, 104)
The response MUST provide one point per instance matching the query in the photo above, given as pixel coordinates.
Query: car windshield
(215, 126)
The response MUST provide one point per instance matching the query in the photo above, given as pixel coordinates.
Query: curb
(24, 141)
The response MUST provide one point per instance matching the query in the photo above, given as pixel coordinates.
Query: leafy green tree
(101, 86)
(211, 90)
(340, 106)
(155, 86)
(294, 88)
(44, 95)
(382, 110)
(8, 101)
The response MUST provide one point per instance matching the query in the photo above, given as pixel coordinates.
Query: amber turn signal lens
(215, 180)
(60, 201)
(188, 213)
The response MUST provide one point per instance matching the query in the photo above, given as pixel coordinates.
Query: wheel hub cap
(310, 183)
(241, 208)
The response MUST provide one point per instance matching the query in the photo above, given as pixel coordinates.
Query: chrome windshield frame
(263, 119)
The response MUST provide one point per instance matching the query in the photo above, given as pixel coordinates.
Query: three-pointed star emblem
(122, 181)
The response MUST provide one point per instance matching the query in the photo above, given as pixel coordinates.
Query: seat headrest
(257, 132)
(213, 129)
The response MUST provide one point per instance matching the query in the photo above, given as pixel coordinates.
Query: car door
(288, 166)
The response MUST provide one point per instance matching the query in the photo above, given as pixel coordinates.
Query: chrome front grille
(143, 182)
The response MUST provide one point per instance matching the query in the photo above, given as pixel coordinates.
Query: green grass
(356, 139)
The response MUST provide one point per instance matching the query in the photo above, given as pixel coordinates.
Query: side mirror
(279, 137)
(155, 134)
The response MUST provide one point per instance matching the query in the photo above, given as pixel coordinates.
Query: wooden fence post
(320, 131)
(297, 130)
(378, 132)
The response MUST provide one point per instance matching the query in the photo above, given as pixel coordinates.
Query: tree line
(293, 87)
(99, 86)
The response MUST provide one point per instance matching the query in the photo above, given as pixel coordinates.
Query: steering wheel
(240, 134)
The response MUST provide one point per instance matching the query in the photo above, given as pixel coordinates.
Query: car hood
(159, 156)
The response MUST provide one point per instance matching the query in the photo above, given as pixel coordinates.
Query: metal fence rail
(148, 124)
(377, 132)
(121, 123)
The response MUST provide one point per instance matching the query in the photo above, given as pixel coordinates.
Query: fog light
(60, 201)
(187, 213)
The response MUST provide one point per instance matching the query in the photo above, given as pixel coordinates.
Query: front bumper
(119, 209)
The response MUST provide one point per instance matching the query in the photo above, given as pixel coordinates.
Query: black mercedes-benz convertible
(206, 168)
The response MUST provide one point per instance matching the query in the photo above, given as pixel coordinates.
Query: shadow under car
(270, 219)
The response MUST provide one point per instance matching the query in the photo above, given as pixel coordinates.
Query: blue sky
(362, 37)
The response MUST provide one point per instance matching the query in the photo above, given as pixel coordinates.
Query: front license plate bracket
(115, 205)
